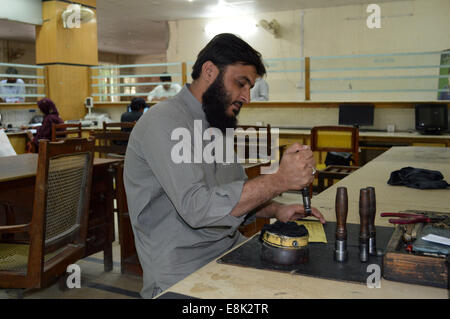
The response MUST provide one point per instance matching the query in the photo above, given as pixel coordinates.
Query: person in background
(135, 110)
(260, 92)
(163, 91)
(12, 85)
(51, 115)
(446, 94)
(185, 214)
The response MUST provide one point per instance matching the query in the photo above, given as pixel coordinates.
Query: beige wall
(19, 52)
(406, 26)
(309, 117)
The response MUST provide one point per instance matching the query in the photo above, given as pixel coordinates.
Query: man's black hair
(137, 103)
(226, 49)
(11, 70)
(165, 78)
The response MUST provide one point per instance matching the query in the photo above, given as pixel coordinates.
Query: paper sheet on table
(6, 149)
(315, 230)
(437, 239)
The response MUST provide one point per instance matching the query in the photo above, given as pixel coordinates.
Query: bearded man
(186, 214)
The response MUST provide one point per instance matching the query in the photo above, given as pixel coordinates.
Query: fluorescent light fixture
(241, 26)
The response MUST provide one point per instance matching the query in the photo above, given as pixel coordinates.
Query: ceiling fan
(272, 26)
(75, 15)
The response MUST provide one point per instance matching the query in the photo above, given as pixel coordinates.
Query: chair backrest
(112, 140)
(61, 199)
(255, 140)
(335, 139)
(65, 130)
(128, 255)
(124, 126)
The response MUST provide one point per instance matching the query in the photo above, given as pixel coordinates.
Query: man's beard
(216, 100)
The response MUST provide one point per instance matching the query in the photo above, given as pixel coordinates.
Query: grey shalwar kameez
(180, 213)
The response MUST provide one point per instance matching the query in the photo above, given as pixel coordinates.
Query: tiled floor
(95, 282)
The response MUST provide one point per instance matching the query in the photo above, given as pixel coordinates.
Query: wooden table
(226, 281)
(17, 179)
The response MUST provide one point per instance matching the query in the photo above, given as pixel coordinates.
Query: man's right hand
(296, 167)
(294, 173)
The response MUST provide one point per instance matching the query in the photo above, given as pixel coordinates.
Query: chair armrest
(14, 229)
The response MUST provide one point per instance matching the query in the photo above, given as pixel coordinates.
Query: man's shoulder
(157, 88)
(167, 108)
(171, 112)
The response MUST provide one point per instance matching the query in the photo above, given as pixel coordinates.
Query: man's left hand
(286, 213)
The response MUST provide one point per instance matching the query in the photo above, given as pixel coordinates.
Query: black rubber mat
(321, 262)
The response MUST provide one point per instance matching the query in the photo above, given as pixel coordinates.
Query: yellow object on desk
(315, 230)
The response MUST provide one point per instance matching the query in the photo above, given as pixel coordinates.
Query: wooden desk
(225, 281)
(17, 178)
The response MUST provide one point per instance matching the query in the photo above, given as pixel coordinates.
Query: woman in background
(51, 115)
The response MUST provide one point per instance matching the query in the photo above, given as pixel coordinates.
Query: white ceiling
(140, 26)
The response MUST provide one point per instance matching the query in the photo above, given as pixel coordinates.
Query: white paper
(437, 239)
(6, 149)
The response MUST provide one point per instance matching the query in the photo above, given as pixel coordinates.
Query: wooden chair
(124, 126)
(112, 140)
(58, 225)
(254, 145)
(65, 130)
(334, 139)
(129, 261)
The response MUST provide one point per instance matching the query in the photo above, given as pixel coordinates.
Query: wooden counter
(225, 281)
(372, 144)
(404, 138)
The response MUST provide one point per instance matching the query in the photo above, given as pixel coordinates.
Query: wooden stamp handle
(341, 207)
(364, 214)
(372, 211)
